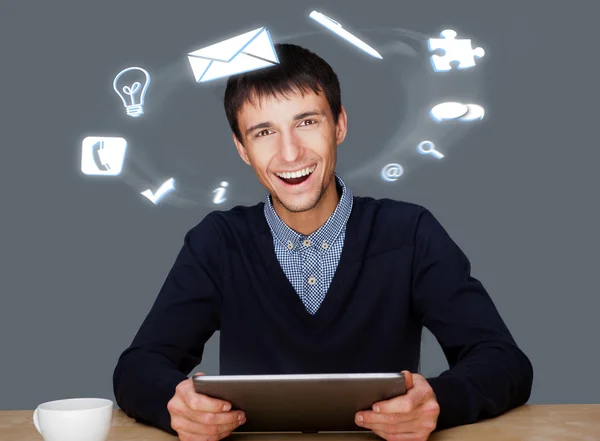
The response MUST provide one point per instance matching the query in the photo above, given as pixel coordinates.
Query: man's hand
(409, 417)
(197, 417)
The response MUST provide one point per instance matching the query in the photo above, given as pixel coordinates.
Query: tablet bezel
(345, 394)
(293, 377)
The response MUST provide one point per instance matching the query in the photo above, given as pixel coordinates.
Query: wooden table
(577, 422)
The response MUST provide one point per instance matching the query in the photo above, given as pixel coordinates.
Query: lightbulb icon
(132, 90)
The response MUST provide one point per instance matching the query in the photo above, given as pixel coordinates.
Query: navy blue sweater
(399, 271)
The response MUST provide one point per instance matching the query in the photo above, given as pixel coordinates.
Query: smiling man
(291, 144)
(317, 280)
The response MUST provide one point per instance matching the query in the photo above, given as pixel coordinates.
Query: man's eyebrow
(267, 124)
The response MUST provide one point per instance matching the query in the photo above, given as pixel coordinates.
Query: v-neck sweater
(310, 261)
(399, 271)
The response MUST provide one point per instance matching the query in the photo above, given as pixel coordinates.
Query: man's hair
(299, 70)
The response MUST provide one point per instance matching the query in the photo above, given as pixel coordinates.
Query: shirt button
(324, 245)
(306, 242)
(312, 280)
(290, 246)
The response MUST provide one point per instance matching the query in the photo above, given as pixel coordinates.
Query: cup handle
(36, 421)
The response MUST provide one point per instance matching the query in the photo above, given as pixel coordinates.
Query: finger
(413, 398)
(390, 406)
(370, 418)
(201, 402)
(219, 418)
(224, 434)
(396, 436)
(228, 428)
(404, 404)
(195, 427)
(412, 426)
(408, 380)
(192, 429)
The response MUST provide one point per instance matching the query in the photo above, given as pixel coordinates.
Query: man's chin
(299, 204)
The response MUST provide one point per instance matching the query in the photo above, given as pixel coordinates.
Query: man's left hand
(409, 417)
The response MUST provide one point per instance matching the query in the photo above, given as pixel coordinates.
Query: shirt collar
(327, 233)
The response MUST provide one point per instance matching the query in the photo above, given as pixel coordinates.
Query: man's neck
(310, 221)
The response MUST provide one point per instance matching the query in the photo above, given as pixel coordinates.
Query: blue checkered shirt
(309, 262)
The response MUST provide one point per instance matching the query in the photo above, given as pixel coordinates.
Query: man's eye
(265, 132)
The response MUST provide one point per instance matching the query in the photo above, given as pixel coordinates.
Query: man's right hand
(198, 417)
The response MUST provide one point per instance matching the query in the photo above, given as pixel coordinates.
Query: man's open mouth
(297, 177)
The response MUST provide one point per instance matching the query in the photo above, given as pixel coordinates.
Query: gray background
(83, 259)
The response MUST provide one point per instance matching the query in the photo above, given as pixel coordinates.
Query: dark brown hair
(299, 70)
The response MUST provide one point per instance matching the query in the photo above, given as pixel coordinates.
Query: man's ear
(341, 127)
(241, 149)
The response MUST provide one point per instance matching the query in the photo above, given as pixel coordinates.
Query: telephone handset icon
(103, 155)
(99, 155)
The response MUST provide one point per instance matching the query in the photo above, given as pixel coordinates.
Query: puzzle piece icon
(454, 50)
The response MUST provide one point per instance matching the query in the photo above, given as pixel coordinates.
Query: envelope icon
(250, 51)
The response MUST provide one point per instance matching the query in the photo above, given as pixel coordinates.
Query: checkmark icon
(165, 187)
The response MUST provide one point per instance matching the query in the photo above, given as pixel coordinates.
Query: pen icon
(337, 28)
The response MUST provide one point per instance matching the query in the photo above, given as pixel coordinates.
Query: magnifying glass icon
(428, 148)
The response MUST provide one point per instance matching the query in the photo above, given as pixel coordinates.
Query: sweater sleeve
(171, 339)
(488, 374)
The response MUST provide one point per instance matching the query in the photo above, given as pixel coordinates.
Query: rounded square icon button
(103, 155)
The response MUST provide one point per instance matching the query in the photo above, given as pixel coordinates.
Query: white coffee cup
(74, 419)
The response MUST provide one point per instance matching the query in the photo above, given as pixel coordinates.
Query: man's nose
(291, 148)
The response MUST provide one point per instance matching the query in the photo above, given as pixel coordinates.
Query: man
(316, 280)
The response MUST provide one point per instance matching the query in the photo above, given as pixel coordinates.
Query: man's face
(289, 134)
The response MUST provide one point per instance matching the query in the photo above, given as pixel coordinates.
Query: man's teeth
(297, 174)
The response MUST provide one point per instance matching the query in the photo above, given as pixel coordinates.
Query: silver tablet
(301, 402)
